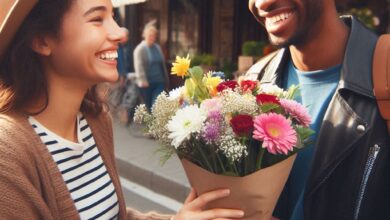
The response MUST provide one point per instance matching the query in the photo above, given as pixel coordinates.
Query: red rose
(242, 124)
(248, 85)
(227, 85)
(265, 98)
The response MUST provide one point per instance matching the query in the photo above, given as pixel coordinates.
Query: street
(146, 184)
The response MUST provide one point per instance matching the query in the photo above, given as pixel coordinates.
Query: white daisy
(185, 122)
(175, 93)
(272, 89)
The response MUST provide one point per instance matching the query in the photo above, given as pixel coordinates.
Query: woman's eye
(97, 19)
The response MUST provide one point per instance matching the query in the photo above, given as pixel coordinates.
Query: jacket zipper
(372, 155)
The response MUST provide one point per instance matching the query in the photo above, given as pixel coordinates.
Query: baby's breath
(231, 148)
(234, 102)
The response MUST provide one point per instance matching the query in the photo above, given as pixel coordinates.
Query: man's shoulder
(259, 66)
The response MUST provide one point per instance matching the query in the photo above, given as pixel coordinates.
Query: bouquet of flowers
(229, 128)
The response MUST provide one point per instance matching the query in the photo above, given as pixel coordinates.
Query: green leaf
(293, 92)
(269, 107)
(190, 87)
(196, 73)
(303, 136)
(166, 152)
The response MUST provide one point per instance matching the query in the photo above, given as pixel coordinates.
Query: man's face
(288, 22)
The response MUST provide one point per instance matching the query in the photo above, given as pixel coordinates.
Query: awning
(118, 3)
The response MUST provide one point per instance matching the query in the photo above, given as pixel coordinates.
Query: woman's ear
(41, 45)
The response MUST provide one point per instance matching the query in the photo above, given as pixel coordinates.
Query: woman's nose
(118, 34)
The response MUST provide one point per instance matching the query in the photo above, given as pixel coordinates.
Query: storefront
(217, 27)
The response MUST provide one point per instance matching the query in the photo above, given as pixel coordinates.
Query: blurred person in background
(124, 58)
(56, 143)
(149, 64)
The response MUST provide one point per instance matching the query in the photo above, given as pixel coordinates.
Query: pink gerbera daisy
(275, 132)
(297, 111)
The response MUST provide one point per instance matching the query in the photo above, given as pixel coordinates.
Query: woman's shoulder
(16, 138)
(13, 124)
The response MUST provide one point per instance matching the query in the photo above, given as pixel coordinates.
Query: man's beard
(306, 31)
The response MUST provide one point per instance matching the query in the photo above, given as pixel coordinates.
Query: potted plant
(251, 51)
(206, 61)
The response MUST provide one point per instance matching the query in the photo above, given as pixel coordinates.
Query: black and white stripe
(83, 171)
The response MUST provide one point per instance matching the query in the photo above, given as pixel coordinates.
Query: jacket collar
(355, 61)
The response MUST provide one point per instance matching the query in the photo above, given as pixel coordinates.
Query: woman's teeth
(113, 55)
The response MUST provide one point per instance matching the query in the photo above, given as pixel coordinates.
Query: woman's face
(86, 49)
(150, 36)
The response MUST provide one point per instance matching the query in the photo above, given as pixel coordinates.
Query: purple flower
(215, 116)
(210, 132)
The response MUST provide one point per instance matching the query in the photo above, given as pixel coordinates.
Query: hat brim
(12, 15)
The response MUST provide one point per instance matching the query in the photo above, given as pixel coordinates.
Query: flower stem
(210, 168)
(221, 164)
(260, 158)
(235, 169)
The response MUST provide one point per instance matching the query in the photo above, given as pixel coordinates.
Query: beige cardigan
(31, 186)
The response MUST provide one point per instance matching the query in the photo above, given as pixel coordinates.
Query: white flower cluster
(162, 111)
(141, 114)
(272, 90)
(234, 102)
(232, 149)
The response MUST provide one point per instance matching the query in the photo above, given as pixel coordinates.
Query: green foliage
(293, 92)
(253, 48)
(366, 16)
(204, 59)
(196, 73)
(267, 107)
(303, 134)
(166, 152)
(228, 68)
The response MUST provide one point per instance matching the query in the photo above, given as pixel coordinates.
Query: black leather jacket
(350, 172)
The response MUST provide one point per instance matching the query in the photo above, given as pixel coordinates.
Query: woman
(56, 153)
(149, 65)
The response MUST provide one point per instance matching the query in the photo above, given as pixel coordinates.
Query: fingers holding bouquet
(194, 207)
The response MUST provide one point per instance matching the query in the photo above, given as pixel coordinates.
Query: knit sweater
(31, 186)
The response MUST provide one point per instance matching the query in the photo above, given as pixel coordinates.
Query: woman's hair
(150, 27)
(22, 79)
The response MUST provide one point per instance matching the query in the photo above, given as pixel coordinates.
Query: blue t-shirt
(317, 89)
(155, 73)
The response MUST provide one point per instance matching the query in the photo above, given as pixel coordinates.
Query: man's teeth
(280, 17)
(109, 55)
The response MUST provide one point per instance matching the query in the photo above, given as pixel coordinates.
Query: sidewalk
(138, 163)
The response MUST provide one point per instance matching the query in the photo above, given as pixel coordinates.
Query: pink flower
(275, 132)
(297, 111)
(211, 105)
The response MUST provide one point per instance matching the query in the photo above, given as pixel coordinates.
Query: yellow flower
(180, 66)
(212, 83)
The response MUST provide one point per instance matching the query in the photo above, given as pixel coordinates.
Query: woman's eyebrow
(93, 9)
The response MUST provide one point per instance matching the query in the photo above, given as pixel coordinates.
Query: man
(345, 174)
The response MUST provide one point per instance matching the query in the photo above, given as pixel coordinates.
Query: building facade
(217, 27)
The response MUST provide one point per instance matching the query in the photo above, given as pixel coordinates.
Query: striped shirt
(83, 171)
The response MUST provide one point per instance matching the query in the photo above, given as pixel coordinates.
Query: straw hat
(12, 14)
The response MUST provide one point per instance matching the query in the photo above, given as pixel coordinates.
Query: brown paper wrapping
(256, 194)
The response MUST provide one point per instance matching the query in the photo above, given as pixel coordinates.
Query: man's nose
(263, 4)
